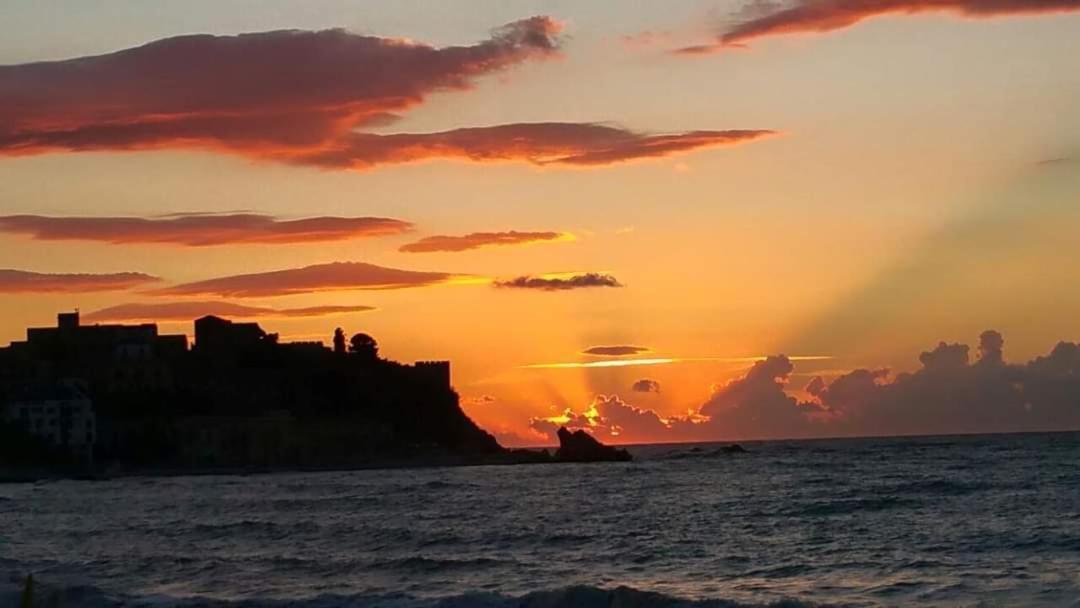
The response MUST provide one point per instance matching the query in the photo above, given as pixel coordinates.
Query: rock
(579, 446)
(733, 449)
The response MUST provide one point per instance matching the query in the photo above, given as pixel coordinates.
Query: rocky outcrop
(579, 446)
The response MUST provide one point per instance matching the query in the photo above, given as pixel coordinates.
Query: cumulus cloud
(561, 283)
(22, 281)
(197, 230)
(476, 240)
(187, 311)
(819, 16)
(336, 276)
(609, 418)
(949, 393)
(757, 406)
(646, 385)
(300, 97)
(615, 351)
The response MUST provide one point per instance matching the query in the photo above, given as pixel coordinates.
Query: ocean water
(949, 521)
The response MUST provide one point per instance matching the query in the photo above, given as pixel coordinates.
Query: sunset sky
(666, 192)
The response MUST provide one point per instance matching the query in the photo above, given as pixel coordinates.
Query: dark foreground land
(97, 401)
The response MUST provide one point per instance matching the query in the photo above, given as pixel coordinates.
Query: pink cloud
(476, 240)
(187, 311)
(197, 230)
(819, 16)
(337, 276)
(21, 281)
(298, 97)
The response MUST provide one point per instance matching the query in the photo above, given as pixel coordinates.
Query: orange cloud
(197, 230)
(337, 276)
(547, 143)
(819, 16)
(186, 311)
(615, 351)
(475, 240)
(299, 97)
(21, 281)
(560, 282)
(261, 94)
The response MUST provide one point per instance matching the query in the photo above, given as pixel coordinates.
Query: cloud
(197, 230)
(301, 97)
(476, 240)
(819, 16)
(187, 311)
(561, 282)
(646, 386)
(336, 276)
(609, 418)
(757, 406)
(21, 281)
(615, 351)
(662, 361)
(950, 393)
(546, 143)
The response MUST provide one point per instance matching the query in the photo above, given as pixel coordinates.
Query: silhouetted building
(119, 357)
(59, 412)
(214, 334)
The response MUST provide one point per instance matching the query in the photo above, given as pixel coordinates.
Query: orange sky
(509, 184)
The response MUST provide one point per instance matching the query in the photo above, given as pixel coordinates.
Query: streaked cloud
(22, 281)
(820, 16)
(546, 143)
(271, 95)
(198, 230)
(187, 311)
(620, 350)
(664, 361)
(476, 240)
(303, 98)
(561, 282)
(335, 276)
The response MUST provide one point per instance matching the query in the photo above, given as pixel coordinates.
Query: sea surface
(940, 521)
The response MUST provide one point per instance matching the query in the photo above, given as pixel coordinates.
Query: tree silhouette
(364, 346)
(339, 341)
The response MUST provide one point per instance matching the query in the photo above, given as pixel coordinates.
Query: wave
(568, 597)
(940, 487)
(845, 506)
(703, 453)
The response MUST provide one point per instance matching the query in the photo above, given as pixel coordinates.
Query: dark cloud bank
(954, 391)
(580, 281)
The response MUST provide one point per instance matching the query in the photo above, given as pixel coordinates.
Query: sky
(665, 221)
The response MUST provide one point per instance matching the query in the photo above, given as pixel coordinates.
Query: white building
(60, 413)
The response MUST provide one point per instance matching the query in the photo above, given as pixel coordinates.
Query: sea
(930, 521)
